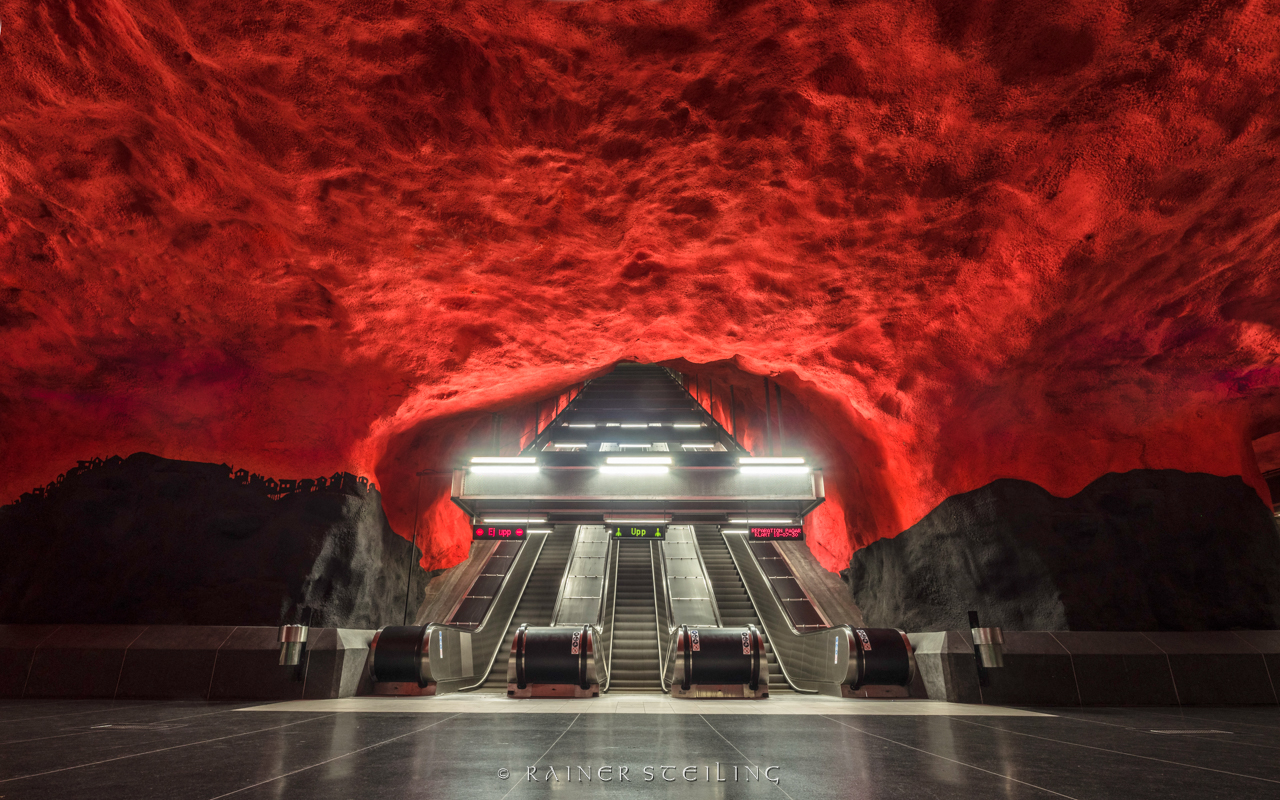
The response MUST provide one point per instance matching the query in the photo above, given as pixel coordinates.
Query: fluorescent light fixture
(635, 425)
(783, 460)
(515, 520)
(749, 470)
(504, 460)
(502, 469)
(566, 445)
(581, 424)
(634, 446)
(698, 445)
(687, 425)
(537, 530)
(762, 521)
(664, 460)
(733, 530)
(611, 424)
(655, 424)
(633, 470)
(636, 520)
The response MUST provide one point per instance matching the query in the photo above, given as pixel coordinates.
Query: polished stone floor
(104, 750)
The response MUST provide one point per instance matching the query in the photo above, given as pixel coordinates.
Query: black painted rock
(154, 541)
(1142, 550)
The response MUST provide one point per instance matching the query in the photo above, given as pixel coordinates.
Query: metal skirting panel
(582, 590)
(688, 590)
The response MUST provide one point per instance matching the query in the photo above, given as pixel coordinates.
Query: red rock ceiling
(971, 239)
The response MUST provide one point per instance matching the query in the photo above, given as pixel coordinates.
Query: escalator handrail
(611, 576)
(658, 564)
(508, 598)
(668, 636)
(773, 618)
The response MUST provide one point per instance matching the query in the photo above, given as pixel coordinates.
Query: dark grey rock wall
(1147, 550)
(154, 541)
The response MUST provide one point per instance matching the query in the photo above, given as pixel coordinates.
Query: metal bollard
(989, 643)
(293, 638)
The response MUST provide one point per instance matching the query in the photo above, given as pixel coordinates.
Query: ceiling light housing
(630, 469)
(640, 460)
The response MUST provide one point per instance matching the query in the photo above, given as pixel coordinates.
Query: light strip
(733, 530)
(634, 425)
(501, 469)
(514, 520)
(687, 425)
(784, 460)
(569, 444)
(749, 470)
(581, 425)
(625, 470)
(635, 446)
(537, 530)
(762, 522)
(504, 460)
(655, 424)
(665, 460)
(636, 520)
(698, 445)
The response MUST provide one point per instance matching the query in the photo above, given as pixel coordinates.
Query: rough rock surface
(972, 239)
(1146, 550)
(154, 541)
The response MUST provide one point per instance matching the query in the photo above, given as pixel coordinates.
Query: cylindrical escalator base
(720, 663)
(553, 662)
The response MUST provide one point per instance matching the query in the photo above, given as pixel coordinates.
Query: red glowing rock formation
(971, 240)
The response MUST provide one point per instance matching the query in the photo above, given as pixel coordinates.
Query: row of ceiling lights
(634, 424)
(637, 465)
(535, 519)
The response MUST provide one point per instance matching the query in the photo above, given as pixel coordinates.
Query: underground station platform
(638, 614)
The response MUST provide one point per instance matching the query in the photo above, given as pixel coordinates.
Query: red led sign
(783, 532)
(496, 532)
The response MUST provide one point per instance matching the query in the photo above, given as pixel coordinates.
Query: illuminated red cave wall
(971, 240)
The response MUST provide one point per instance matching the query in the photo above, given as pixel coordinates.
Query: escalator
(732, 598)
(634, 657)
(537, 602)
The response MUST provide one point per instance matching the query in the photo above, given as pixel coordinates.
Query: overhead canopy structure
(635, 444)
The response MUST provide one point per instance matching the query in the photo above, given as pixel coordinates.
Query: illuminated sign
(638, 532)
(487, 532)
(780, 532)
